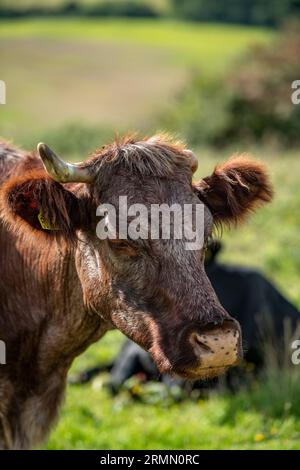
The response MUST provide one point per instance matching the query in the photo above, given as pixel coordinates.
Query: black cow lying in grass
(266, 317)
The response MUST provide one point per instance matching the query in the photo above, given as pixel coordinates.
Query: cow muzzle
(215, 348)
(203, 352)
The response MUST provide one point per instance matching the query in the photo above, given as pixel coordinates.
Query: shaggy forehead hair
(157, 156)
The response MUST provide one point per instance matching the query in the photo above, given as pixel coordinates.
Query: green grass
(107, 73)
(193, 44)
(265, 417)
(20, 4)
(92, 420)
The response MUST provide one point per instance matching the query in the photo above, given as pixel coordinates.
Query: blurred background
(215, 73)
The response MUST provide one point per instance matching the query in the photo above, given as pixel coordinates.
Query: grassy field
(19, 4)
(265, 417)
(122, 74)
(91, 419)
(106, 73)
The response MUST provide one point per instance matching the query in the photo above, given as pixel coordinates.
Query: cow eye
(122, 246)
(118, 244)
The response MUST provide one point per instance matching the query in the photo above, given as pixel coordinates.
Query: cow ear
(41, 202)
(235, 189)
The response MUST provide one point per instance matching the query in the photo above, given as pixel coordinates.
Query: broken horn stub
(61, 171)
(193, 160)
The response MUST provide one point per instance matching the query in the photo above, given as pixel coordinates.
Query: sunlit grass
(110, 73)
(193, 44)
(92, 419)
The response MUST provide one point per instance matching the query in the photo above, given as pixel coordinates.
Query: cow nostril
(199, 343)
(217, 346)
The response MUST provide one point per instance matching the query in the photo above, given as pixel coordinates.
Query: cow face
(153, 289)
(161, 296)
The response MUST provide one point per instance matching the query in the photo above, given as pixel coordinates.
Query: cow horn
(61, 171)
(193, 160)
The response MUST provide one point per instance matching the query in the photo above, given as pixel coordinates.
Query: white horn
(61, 171)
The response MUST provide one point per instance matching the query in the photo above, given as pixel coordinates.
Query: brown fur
(156, 156)
(34, 192)
(235, 189)
(9, 157)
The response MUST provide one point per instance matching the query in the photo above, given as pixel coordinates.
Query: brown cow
(62, 288)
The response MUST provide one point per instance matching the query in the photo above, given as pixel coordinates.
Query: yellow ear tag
(45, 224)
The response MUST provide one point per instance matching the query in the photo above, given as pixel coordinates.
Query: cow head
(152, 289)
